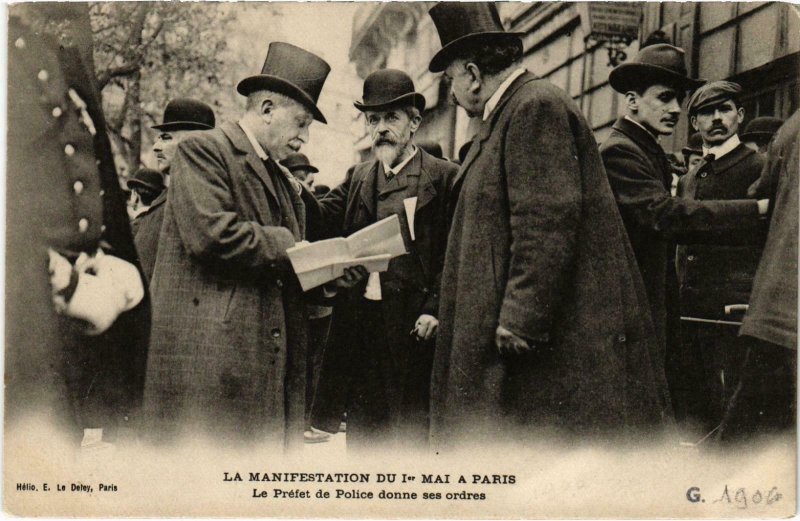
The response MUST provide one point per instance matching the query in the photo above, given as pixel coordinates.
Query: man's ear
(475, 76)
(267, 106)
(693, 122)
(415, 122)
(632, 101)
(740, 114)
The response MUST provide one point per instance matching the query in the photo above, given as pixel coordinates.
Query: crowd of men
(551, 285)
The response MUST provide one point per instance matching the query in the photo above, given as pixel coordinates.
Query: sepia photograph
(438, 260)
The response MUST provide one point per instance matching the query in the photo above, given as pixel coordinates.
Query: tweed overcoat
(410, 288)
(229, 331)
(537, 245)
(61, 174)
(640, 178)
(146, 231)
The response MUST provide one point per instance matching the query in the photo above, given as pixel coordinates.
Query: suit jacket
(772, 315)
(147, 228)
(59, 176)
(537, 246)
(719, 271)
(640, 178)
(229, 329)
(409, 288)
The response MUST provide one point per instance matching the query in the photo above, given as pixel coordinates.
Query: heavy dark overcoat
(640, 178)
(537, 246)
(772, 315)
(718, 270)
(409, 288)
(229, 329)
(146, 230)
(59, 173)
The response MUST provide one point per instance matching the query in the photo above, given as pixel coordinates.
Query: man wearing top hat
(227, 356)
(543, 317)
(181, 117)
(381, 343)
(654, 84)
(716, 271)
(759, 132)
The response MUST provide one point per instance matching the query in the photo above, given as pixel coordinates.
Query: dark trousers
(318, 329)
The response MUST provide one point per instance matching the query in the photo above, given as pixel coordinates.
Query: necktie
(709, 158)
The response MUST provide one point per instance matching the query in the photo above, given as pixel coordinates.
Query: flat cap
(712, 93)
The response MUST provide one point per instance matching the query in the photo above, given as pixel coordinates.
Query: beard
(387, 152)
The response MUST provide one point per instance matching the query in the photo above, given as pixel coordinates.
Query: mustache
(385, 141)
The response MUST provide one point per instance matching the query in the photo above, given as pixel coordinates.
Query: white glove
(123, 276)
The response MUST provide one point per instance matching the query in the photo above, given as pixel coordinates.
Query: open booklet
(372, 247)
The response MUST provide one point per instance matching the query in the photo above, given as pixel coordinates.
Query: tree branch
(123, 70)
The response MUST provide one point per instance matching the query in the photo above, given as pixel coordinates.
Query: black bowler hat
(431, 147)
(291, 71)
(762, 128)
(694, 146)
(462, 24)
(298, 161)
(387, 88)
(655, 64)
(147, 178)
(186, 114)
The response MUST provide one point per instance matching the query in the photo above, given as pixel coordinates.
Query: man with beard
(654, 83)
(181, 117)
(381, 343)
(716, 271)
(543, 316)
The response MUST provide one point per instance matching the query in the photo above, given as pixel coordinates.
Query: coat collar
(158, 201)
(638, 135)
(732, 158)
(242, 145)
(487, 126)
(418, 182)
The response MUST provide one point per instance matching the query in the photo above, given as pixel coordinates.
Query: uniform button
(69, 150)
(97, 162)
(83, 225)
(703, 174)
(279, 283)
(43, 76)
(102, 193)
(426, 290)
(276, 332)
(102, 228)
(78, 187)
(691, 258)
(57, 112)
(19, 43)
(622, 337)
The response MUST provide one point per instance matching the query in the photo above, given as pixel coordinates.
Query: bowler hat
(431, 147)
(389, 88)
(761, 128)
(186, 114)
(461, 24)
(147, 178)
(713, 93)
(655, 64)
(298, 161)
(291, 71)
(694, 145)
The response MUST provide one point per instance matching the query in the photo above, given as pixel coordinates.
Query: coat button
(102, 228)
(703, 174)
(102, 193)
(57, 112)
(426, 290)
(279, 283)
(621, 337)
(691, 258)
(43, 76)
(69, 150)
(19, 43)
(83, 225)
(77, 187)
(276, 332)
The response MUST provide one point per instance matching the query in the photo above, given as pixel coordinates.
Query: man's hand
(425, 327)
(763, 206)
(509, 343)
(351, 277)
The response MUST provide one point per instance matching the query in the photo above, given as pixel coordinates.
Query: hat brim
(276, 84)
(442, 59)
(633, 76)
(182, 125)
(136, 182)
(311, 169)
(686, 151)
(414, 98)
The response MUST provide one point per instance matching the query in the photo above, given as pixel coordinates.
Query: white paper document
(410, 205)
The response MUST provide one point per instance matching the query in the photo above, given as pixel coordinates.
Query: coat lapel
(420, 184)
(367, 188)
(239, 140)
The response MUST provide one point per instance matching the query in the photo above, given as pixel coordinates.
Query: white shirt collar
(720, 150)
(495, 99)
(252, 138)
(396, 170)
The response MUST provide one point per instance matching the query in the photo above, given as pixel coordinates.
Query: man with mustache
(381, 342)
(717, 271)
(654, 84)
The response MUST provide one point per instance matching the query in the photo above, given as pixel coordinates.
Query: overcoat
(718, 271)
(146, 230)
(229, 330)
(772, 315)
(537, 245)
(64, 194)
(409, 288)
(640, 178)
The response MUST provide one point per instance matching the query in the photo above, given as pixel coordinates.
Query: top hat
(291, 71)
(389, 88)
(298, 161)
(694, 146)
(464, 23)
(763, 127)
(147, 178)
(186, 114)
(656, 64)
